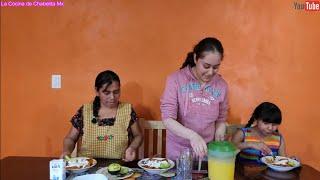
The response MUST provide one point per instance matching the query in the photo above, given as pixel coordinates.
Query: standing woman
(194, 103)
(105, 128)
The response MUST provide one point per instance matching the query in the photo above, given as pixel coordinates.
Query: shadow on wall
(132, 92)
(233, 118)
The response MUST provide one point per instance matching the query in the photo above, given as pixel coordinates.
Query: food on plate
(67, 158)
(164, 165)
(114, 168)
(116, 171)
(280, 161)
(156, 163)
(78, 163)
(124, 170)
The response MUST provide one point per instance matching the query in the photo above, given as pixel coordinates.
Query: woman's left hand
(130, 154)
(220, 131)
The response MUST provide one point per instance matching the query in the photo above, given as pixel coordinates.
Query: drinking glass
(184, 165)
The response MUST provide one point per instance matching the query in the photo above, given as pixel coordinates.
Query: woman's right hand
(64, 154)
(198, 145)
(261, 147)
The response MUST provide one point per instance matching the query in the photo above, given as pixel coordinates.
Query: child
(263, 137)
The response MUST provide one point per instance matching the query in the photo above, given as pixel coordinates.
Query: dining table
(37, 168)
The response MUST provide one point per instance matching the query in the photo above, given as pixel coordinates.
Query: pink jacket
(195, 108)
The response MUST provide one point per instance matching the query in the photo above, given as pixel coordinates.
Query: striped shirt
(254, 155)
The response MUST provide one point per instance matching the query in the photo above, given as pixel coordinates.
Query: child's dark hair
(267, 112)
(205, 45)
(105, 77)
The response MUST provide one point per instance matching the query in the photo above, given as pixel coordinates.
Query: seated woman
(105, 128)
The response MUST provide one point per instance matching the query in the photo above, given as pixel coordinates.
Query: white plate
(80, 170)
(91, 177)
(280, 168)
(155, 171)
(105, 172)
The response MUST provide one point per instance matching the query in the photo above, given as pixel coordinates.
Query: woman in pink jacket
(194, 103)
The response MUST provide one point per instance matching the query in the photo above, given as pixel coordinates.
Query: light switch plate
(56, 81)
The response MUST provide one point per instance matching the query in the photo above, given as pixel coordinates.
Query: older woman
(105, 128)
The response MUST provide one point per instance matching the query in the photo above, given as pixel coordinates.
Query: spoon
(199, 164)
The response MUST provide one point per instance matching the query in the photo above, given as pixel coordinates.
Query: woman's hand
(261, 147)
(130, 154)
(220, 131)
(70, 141)
(198, 145)
(64, 154)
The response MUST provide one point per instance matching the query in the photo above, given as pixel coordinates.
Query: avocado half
(164, 165)
(114, 168)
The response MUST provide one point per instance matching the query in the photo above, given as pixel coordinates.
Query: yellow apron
(105, 141)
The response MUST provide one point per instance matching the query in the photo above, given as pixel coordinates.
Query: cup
(184, 165)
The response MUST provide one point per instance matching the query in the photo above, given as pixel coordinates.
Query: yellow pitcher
(221, 160)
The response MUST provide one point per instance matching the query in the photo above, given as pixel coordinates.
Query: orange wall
(272, 54)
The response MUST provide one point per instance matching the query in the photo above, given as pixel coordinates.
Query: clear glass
(184, 165)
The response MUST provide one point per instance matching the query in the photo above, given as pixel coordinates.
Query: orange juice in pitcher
(221, 160)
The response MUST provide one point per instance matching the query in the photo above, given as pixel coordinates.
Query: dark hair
(205, 45)
(105, 77)
(267, 112)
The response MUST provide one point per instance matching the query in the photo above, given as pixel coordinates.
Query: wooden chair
(154, 133)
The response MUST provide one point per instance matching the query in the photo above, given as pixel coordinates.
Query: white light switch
(56, 81)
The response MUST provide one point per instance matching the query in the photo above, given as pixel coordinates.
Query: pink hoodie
(195, 108)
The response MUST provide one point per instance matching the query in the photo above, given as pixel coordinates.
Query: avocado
(114, 168)
(124, 170)
(164, 165)
(291, 163)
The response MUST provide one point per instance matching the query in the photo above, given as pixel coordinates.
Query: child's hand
(265, 150)
(130, 154)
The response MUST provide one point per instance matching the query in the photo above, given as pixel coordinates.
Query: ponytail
(96, 107)
(250, 122)
(189, 61)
